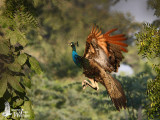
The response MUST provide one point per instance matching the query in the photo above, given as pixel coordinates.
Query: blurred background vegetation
(57, 93)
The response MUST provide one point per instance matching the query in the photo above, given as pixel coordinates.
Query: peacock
(102, 55)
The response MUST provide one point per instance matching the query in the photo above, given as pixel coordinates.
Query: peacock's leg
(93, 84)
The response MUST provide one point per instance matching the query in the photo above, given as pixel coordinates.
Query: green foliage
(149, 47)
(3, 85)
(154, 96)
(22, 59)
(26, 81)
(135, 89)
(34, 65)
(4, 49)
(14, 82)
(149, 44)
(154, 4)
(22, 11)
(15, 64)
(149, 40)
(28, 107)
(69, 101)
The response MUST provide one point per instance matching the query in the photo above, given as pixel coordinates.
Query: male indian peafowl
(102, 55)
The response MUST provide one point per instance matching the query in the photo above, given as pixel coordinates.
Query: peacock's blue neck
(73, 48)
(76, 57)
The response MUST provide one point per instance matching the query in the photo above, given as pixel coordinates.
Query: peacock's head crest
(72, 44)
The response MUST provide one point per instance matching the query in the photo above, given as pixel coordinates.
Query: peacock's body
(102, 55)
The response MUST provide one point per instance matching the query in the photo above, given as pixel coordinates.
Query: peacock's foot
(93, 84)
(84, 84)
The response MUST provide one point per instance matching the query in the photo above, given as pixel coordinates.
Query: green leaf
(14, 82)
(4, 49)
(22, 59)
(35, 65)
(27, 108)
(12, 36)
(15, 67)
(27, 81)
(13, 39)
(16, 36)
(17, 102)
(3, 85)
(22, 39)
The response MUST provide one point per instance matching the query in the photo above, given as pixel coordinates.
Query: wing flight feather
(107, 43)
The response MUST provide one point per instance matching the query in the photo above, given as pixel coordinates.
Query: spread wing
(106, 50)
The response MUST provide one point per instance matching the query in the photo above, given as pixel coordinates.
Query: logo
(7, 110)
(15, 112)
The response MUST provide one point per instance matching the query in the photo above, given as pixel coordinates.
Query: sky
(137, 8)
(122, 70)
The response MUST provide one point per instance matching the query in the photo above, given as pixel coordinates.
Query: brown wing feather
(116, 39)
(112, 85)
(111, 45)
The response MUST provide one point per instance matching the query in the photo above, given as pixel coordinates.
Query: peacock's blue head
(73, 45)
